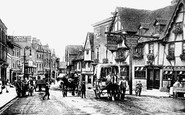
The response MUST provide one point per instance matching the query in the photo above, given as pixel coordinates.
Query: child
(138, 88)
(83, 89)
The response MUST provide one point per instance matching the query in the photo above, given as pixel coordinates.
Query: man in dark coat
(47, 89)
(83, 90)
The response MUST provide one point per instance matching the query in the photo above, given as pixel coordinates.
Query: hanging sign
(131, 41)
(111, 43)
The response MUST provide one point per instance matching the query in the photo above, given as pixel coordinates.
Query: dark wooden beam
(113, 33)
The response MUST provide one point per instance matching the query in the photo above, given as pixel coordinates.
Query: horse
(68, 84)
(112, 88)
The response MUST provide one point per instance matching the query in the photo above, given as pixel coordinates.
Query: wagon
(104, 86)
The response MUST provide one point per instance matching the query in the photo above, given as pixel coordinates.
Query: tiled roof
(132, 19)
(80, 56)
(161, 21)
(74, 49)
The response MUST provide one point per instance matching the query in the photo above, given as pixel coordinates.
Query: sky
(63, 22)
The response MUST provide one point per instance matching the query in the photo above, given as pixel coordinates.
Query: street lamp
(25, 48)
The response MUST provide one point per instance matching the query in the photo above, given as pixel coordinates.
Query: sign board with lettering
(112, 43)
(131, 41)
(21, 38)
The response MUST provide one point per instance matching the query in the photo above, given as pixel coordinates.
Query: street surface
(73, 105)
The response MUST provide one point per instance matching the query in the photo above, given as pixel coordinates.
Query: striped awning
(139, 68)
(180, 73)
(170, 72)
(166, 72)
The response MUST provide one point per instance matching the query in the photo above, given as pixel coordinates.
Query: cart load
(106, 80)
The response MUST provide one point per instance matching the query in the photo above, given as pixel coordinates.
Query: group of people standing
(23, 86)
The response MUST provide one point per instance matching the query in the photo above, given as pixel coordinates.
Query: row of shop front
(152, 77)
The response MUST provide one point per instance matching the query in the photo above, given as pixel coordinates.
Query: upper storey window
(178, 28)
(151, 48)
(117, 26)
(171, 49)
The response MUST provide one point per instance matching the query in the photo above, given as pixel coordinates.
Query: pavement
(6, 98)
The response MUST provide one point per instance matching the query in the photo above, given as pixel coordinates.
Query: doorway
(153, 78)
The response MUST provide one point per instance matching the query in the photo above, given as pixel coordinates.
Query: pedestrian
(123, 84)
(47, 89)
(83, 90)
(177, 84)
(6, 85)
(1, 87)
(19, 87)
(138, 88)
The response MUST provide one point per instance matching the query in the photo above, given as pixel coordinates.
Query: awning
(137, 69)
(180, 73)
(141, 69)
(165, 72)
(123, 69)
(170, 72)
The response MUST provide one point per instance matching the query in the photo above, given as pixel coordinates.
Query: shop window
(165, 77)
(140, 73)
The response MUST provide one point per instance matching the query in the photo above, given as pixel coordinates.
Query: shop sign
(112, 43)
(131, 41)
(21, 38)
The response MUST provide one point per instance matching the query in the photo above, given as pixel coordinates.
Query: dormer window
(143, 28)
(159, 25)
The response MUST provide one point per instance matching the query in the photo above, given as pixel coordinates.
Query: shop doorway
(153, 78)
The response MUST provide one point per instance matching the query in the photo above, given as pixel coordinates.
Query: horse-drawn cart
(69, 83)
(106, 80)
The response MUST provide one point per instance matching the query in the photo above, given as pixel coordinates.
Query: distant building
(3, 51)
(62, 67)
(71, 52)
(87, 64)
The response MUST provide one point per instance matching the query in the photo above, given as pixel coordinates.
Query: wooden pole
(130, 70)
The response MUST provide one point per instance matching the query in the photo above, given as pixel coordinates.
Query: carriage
(106, 86)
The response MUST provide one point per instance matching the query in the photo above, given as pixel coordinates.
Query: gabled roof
(74, 49)
(91, 38)
(132, 19)
(178, 2)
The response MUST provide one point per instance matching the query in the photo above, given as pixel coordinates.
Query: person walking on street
(138, 88)
(83, 90)
(6, 84)
(122, 87)
(47, 89)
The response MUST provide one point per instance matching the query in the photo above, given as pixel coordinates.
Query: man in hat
(47, 89)
(122, 87)
(83, 90)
